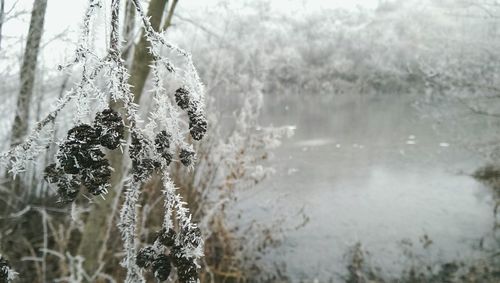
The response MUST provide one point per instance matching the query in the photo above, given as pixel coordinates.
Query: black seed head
(182, 98)
(109, 128)
(83, 134)
(67, 156)
(192, 236)
(91, 158)
(162, 267)
(167, 156)
(74, 157)
(187, 273)
(186, 156)
(186, 267)
(197, 126)
(178, 258)
(166, 238)
(97, 179)
(162, 141)
(145, 257)
(143, 168)
(137, 146)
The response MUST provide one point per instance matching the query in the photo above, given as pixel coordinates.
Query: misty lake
(370, 170)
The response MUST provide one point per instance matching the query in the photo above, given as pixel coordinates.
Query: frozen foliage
(153, 145)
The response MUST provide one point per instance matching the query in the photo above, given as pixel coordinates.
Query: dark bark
(16, 232)
(2, 17)
(28, 69)
(128, 30)
(142, 59)
(168, 20)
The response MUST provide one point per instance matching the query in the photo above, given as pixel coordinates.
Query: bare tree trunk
(2, 16)
(15, 231)
(128, 30)
(168, 20)
(142, 59)
(28, 68)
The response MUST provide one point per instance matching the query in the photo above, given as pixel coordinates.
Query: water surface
(370, 170)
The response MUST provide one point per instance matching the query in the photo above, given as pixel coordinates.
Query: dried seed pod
(145, 257)
(93, 157)
(166, 238)
(83, 134)
(186, 156)
(137, 146)
(143, 168)
(187, 273)
(162, 143)
(182, 98)
(97, 179)
(178, 258)
(161, 267)
(109, 128)
(74, 157)
(186, 267)
(197, 126)
(68, 156)
(192, 236)
(177, 255)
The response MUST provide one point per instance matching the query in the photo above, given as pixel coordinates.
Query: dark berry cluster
(4, 270)
(81, 160)
(190, 238)
(197, 126)
(186, 267)
(145, 257)
(182, 98)
(162, 143)
(142, 166)
(109, 127)
(96, 178)
(79, 149)
(162, 267)
(197, 121)
(166, 238)
(159, 263)
(187, 156)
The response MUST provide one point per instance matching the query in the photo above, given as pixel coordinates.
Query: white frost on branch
(165, 118)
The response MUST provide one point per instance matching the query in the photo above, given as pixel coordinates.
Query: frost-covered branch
(81, 162)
